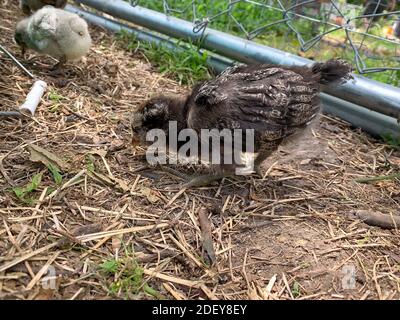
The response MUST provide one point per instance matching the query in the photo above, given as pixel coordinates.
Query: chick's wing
(43, 25)
(272, 100)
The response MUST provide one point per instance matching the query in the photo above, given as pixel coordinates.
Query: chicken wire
(366, 32)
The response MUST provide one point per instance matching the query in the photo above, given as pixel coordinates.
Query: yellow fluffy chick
(55, 32)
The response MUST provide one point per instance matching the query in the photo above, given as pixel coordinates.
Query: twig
(379, 219)
(17, 63)
(11, 114)
(206, 235)
(4, 173)
(378, 178)
(184, 282)
(27, 256)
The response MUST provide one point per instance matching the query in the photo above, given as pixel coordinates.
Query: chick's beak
(135, 138)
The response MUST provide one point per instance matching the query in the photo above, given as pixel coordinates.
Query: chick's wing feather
(43, 25)
(42, 29)
(269, 99)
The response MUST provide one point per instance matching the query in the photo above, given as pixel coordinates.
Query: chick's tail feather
(332, 71)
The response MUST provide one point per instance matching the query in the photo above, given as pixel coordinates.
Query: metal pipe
(17, 63)
(375, 123)
(217, 63)
(371, 94)
(372, 122)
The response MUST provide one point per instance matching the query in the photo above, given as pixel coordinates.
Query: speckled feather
(275, 101)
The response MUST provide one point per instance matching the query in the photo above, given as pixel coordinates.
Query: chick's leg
(25, 9)
(57, 67)
(207, 179)
(174, 172)
(262, 155)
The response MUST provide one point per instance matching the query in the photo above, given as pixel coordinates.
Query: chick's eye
(155, 109)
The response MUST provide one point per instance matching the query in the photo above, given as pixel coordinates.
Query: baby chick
(28, 6)
(58, 33)
(276, 101)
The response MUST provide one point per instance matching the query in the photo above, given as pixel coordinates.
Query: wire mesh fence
(366, 32)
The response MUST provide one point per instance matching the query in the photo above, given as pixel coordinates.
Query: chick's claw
(206, 180)
(259, 172)
(56, 72)
(175, 173)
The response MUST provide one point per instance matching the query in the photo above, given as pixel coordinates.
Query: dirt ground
(293, 235)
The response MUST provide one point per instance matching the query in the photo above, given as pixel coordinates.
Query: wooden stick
(103, 234)
(378, 178)
(42, 271)
(184, 282)
(11, 114)
(206, 235)
(378, 219)
(27, 256)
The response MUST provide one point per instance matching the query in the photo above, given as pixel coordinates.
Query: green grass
(187, 66)
(278, 36)
(55, 97)
(296, 290)
(125, 278)
(90, 163)
(55, 172)
(56, 100)
(392, 141)
(23, 193)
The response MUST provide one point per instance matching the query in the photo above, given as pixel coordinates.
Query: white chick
(55, 32)
(28, 6)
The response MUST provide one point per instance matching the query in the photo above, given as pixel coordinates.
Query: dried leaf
(122, 184)
(386, 221)
(39, 154)
(305, 161)
(110, 181)
(101, 152)
(45, 294)
(87, 229)
(271, 284)
(150, 194)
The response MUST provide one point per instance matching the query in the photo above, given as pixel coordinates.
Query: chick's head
(153, 114)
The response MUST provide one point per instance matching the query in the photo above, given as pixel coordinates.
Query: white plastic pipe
(33, 98)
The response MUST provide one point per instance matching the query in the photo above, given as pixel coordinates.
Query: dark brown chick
(275, 101)
(28, 6)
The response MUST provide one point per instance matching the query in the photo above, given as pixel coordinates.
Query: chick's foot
(207, 179)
